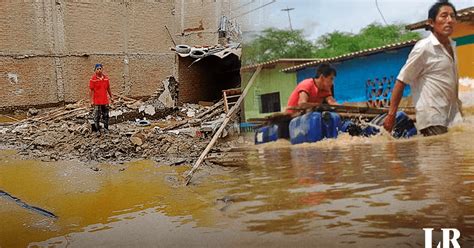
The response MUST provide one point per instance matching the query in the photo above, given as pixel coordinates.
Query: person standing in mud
(431, 71)
(314, 90)
(99, 86)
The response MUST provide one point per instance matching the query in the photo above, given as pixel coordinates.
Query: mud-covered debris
(32, 112)
(65, 133)
(137, 139)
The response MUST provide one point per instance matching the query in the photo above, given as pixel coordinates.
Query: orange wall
(463, 29)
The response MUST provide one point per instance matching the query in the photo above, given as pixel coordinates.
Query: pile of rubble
(140, 130)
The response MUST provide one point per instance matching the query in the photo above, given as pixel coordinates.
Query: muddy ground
(178, 137)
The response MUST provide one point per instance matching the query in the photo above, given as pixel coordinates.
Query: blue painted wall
(352, 75)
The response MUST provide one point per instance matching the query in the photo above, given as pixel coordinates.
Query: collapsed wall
(49, 47)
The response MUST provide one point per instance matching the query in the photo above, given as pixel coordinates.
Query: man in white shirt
(431, 71)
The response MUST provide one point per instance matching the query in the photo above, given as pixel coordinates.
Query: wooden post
(232, 111)
(226, 104)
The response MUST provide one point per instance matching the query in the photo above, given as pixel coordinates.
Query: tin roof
(276, 61)
(463, 15)
(352, 55)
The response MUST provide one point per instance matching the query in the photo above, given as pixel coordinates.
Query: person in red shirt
(99, 86)
(314, 90)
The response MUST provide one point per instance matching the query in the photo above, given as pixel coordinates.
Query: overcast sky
(317, 17)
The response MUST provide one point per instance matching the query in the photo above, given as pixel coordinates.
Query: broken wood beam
(47, 118)
(232, 111)
(70, 115)
(207, 114)
(215, 106)
(125, 98)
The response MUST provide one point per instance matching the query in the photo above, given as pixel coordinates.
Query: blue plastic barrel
(371, 130)
(306, 128)
(348, 126)
(404, 126)
(345, 125)
(266, 134)
(331, 123)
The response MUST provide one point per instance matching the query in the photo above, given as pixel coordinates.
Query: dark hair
(97, 66)
(434, 10)
(326, 70)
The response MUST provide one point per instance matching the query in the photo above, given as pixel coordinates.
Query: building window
(270, 102)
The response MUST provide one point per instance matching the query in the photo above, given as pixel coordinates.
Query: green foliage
(275, 44)
(374, 35)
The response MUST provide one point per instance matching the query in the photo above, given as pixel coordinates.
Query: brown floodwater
(349, 192)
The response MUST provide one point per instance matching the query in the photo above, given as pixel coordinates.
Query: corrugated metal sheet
(276, 61)
(352, 55)
(219, 52)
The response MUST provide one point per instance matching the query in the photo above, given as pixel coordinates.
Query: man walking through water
(431, 71)
(99, 86)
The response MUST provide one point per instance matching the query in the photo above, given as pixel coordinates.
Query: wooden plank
(236, 89)
(226, 105)
(233, 96)
(199, 116)
(232, 111)
(62, 114)
(233, 91)
(125, 98)
(214, 107)
(205, 103)
(346, 108)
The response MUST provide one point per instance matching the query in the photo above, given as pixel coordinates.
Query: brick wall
(48, 47)
(205, 80)
(198, 20)
(193, 81)
(26, 81)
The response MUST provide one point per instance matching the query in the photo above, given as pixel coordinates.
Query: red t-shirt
(308, 86)
(100, 87)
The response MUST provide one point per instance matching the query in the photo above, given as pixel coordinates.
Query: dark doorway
(205, 79)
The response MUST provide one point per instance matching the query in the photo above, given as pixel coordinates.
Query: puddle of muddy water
(88, 201)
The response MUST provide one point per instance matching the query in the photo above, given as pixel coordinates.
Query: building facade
(48, 47)
(364, 77)
(271, 89)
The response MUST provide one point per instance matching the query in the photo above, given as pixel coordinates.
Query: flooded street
(350, 192)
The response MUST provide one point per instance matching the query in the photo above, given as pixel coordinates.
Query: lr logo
(447, 239)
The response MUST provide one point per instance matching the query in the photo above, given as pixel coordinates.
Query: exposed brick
(128, 37)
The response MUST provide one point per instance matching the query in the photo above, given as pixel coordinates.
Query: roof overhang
(464, 15)
(348, 56)
(274, 62)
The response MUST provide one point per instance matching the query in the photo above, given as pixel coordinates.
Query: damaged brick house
(48, 49)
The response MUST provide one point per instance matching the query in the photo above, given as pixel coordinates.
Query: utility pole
(289, 18)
